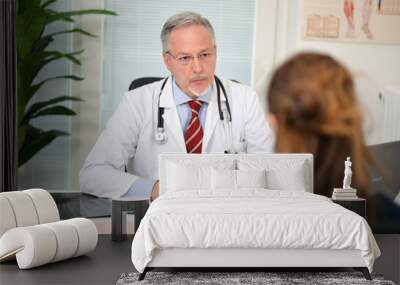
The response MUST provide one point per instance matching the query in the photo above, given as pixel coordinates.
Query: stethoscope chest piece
(161, 136)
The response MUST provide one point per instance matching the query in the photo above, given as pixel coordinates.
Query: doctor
(190, 111)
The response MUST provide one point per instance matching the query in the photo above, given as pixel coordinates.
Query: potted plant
(32, 56)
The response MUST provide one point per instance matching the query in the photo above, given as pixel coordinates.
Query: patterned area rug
(270, 278)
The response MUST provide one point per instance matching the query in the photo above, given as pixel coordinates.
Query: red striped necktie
(194, 131)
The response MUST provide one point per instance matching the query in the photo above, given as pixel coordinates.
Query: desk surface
(102, 266)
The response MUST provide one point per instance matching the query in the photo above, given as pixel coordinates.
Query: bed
(247, 210)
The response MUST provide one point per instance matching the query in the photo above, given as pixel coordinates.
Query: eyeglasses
(203, 57)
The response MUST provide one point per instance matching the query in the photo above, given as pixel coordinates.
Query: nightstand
(358, 205)
(120, 208)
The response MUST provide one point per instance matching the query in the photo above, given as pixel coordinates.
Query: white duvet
(254, 218)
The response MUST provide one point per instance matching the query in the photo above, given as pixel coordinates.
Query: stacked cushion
(31, 230)
(26, 208)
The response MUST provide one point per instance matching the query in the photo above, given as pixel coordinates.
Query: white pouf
(31, 231)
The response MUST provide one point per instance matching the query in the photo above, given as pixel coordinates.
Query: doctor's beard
(199, 93)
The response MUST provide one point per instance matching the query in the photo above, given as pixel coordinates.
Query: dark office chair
(139, 82)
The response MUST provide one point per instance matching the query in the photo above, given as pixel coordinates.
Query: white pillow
(192, 174)
(237, 179)
(223, 179)
(251, 178)
(292, 180)
(280, 174)
(182, 177)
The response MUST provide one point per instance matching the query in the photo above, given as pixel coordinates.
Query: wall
(86, 125)
(376, 67)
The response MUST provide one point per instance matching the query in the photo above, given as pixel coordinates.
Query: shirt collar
(181, 98)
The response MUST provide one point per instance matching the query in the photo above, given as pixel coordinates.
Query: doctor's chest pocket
(240, 146)
(239, 140)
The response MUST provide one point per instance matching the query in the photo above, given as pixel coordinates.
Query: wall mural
(372, 21)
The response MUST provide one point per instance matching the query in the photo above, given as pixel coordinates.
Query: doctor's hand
(155, 192)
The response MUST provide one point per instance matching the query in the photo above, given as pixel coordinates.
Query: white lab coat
(128, 139)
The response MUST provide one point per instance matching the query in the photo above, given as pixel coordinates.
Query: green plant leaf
(80, 31)
(47, 3)
(21, 135)
(72, 77)
(25, 96)
(30, 67)
(55, 110)
(58, 55)
(42, 43)
(29, 27)
(31, 20)
(67, 15)
(23, 5)
(29, 114)
(35, 140)
(60, 18)
(31, 90)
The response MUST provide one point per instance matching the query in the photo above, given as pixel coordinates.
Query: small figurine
(347, 174)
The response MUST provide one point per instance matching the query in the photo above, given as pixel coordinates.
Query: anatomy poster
(374, 21)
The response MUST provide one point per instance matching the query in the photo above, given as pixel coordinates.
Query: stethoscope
(225, 116)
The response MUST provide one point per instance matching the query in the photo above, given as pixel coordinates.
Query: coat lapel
(212, 117)
(172, 123)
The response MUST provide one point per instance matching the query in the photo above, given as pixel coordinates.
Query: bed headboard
(285, 165)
